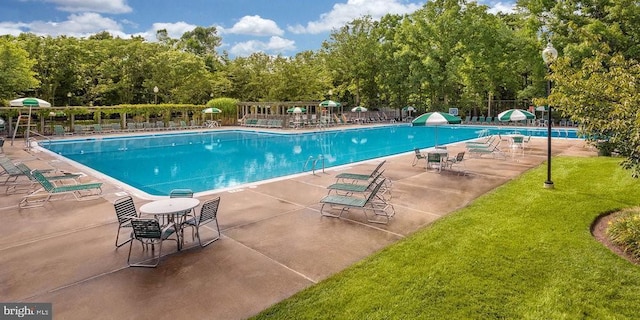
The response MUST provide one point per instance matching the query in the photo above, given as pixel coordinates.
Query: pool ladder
(314, 163)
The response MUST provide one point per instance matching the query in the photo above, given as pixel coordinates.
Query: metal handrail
(39, 135)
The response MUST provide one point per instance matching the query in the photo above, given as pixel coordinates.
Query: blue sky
(271, 26)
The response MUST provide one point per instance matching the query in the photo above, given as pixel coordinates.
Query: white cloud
(174, 30)
(76, 25)
(254, 26)
(343, 13)
(275, 44)
(102, 6)
(13, 28)
(502, 7)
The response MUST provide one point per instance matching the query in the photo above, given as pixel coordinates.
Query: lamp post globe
(549, 55)
(155, 94)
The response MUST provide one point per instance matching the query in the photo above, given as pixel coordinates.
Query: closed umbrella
(31, 103)
(516, 115)
(435, 118)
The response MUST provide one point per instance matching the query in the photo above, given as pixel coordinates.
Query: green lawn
(520, 252)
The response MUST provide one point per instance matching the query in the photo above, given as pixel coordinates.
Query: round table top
(169, 206)
(438, 151)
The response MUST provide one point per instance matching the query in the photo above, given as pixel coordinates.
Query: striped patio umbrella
(435, 118)
(516, 115)
(409, 109)
(329, 104)
(211, 111)
(296, 110)
(31, 103)
(359, 110)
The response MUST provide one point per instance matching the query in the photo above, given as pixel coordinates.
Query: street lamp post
(69, 94)
(155, 94)
(549, 55)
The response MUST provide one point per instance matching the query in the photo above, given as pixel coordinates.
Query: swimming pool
(210, 160)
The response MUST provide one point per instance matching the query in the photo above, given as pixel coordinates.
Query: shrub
(624, 231)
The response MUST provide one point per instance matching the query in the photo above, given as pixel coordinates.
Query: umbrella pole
(27, 130)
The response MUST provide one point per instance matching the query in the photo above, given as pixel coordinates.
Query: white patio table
(174, 209)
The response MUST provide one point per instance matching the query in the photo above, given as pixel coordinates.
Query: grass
(519, 252)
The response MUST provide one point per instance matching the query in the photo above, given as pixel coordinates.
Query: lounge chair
(419, 156)
(11, 173)
(58, 130)
(492, 150)
(85, 191)
(27, 172)
(354, 177)
(348, 189)
(372, 202)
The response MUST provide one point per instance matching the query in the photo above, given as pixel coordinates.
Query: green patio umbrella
(409, 109)
(359, 110)
(329, 104)
(296, 110)
(211, 111)
(435, 118)
(31, 103)
(516, 115)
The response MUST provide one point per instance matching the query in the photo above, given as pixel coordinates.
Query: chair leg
(118, 245)
(150, 265)
(210, 241)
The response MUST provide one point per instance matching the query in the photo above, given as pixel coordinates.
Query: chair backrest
(44, 182)
(518, 139)
(460, 156)
(433, 157)
(375, 190)
(25, 170)
(146, 228)
(125, 209)
(419, 154)
(375, 180)
(209, 210)
(181, 193)
(375, 171)
(10, 168)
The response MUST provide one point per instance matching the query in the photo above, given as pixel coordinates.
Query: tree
(352, 58)
(603, 95)
(16, 74)
(597, 78)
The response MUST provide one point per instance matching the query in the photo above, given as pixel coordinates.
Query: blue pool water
(209, 160)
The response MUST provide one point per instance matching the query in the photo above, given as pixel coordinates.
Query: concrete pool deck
(274, 242)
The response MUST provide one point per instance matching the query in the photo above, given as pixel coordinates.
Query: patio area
(274, 241)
